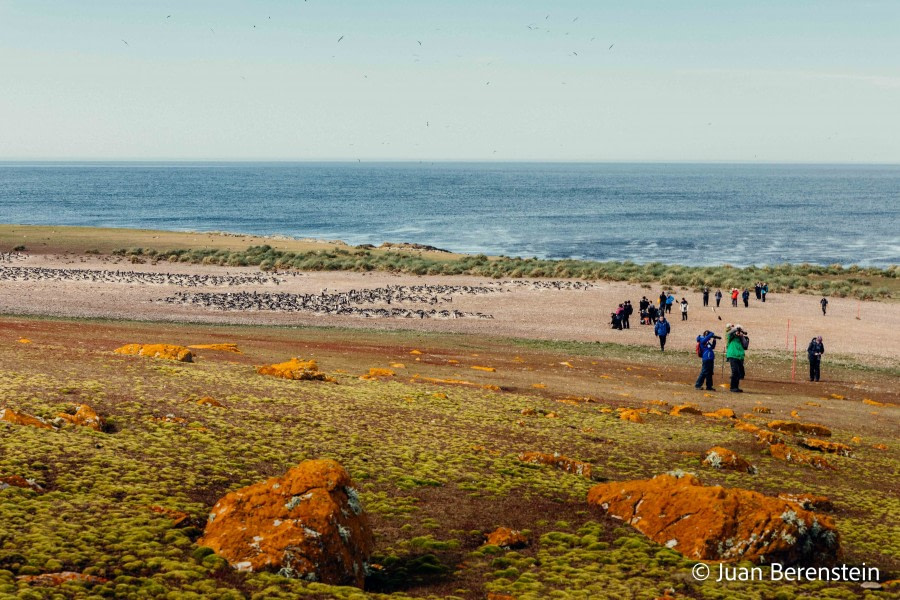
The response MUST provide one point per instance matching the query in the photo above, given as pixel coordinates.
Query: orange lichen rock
(506, 538)
(415, 352)
(8, 481)
(718, 457)
(762, 435)
(492, 387)
(303, 370)
(528, 412)
(220, 347)
(375, 373)
(631, 415)
(84, 416)
(416, 378)
(498, 596)
(210, 401)
(837, 396)
(715, 523)
(480, 368)
(24, 341)
(178, 517)
(398, 366)
(662, 403)
(800, 428)
(722, 413)
(307, 524)
(880, 446)
(16, 418)
(792, 455)
(538, 386)
(563, 463)
(685, 409)
(765, 410)
(57, 579)
(823, 446)
(809, 501)
(166, 351)
(873, 402)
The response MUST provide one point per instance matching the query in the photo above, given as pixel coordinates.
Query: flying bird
(168, 16)
(420, 43)
(340, 38)
(124, 42)
(611, 45)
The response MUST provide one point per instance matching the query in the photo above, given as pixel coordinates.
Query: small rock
(562, 463)
(84, 416)
(824, 446)
(685, 409)
(506, 538)
(718, 457)
(164, 351)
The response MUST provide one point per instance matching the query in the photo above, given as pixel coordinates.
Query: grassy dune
(436, 463)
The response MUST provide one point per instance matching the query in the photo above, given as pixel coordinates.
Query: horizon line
(436, 160)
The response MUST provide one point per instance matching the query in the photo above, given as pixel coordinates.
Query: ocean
(692, 214)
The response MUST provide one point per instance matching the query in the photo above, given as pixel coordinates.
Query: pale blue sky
(815, 81)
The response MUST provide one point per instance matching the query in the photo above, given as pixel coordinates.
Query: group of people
(737, 342)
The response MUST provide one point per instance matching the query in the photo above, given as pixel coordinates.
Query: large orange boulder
(16, 418)
(563, 463)
(84, 416)
(166, 351)
(306, 370)
(716, 523)
(306, 524)
(718, 457)
(800, 428)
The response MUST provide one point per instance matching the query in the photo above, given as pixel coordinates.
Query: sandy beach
(540, 309)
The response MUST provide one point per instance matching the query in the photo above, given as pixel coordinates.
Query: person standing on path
(684, 309)
(705, 296)
(718, 297)
(662, 302)
(661, 330)
(670, 300)
(824, 303)
(707, 344)
(734, 296)
(746, 297)
(764, 291)
(737, 343)
(815, 350)
(626, 315)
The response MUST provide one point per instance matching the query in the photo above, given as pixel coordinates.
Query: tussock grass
(835, 280)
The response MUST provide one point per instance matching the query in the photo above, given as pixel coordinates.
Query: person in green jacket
(737, 341)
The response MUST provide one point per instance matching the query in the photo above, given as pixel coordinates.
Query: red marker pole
(794, 364)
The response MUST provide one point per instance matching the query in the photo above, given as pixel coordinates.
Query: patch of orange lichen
(718, 457)
(8, 415)
(302, 370)
(825, 446)
(800, 428)
(84, 416)
(375, 373)
(686, 409)
(505, 537)
(165, 351)
(563, 463)
(57, 579)
(220, 347)
(722, 413)
(792, 455)
(210, 401)
(480, 368)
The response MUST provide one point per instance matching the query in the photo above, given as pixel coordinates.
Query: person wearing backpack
(736, 346)
(706, 345)
(661, 330)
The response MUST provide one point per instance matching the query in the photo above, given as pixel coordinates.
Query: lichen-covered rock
(57, 579)
(800, 428)
(762, 435)
(376, 373)
(210, 401)
(824, 446)
(765, 410)
(722, 413)
(178, 517)
(631, 415)
(84, 416)
(8, 481)
(718, 457)
(506, 538)
(306, 524)
(716, 523)
(305, 370)
(165, 351)
(226, 347)
(8, 415)
(809, 501)
(563, 463)
(685, 409)
(792, 455)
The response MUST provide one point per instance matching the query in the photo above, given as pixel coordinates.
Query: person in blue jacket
(661, 330)
(707, 343)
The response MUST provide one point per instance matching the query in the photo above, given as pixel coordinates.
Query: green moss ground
(436, 463)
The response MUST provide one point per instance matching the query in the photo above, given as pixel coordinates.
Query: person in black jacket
(824, 303)
(626, 314)
(815, 351)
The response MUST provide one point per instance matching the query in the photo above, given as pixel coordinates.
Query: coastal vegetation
(865, 283)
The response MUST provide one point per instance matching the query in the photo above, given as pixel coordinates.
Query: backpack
(699, 350)
(745, 342)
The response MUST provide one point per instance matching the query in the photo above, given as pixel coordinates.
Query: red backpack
(699, 350)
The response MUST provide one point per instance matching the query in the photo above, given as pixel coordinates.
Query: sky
(763, 81)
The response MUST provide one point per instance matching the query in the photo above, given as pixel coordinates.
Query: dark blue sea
(694, 214)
